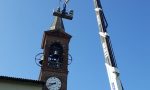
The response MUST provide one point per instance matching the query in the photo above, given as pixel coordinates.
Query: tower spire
(57, 24)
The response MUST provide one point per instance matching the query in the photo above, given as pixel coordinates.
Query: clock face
(53, 83)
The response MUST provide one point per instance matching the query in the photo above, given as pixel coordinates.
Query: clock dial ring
(53, 83)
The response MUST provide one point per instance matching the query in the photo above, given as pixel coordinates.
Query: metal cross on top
(63, 13)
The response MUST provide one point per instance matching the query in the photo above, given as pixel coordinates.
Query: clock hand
(50, 84)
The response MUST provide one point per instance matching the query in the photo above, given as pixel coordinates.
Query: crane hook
(66, 1)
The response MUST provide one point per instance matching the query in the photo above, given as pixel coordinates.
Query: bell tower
(54, 65)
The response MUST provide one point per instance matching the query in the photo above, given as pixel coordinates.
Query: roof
(22, 80)
(57, 24)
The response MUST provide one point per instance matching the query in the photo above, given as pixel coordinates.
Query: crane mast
(110, 62)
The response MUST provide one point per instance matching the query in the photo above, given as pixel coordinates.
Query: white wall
(19, 86)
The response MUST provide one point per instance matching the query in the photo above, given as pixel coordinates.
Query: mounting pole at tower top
(110, 62)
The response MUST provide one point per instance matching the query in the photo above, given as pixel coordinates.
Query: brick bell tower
(54, 65)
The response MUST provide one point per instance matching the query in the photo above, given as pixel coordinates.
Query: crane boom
(110, 62)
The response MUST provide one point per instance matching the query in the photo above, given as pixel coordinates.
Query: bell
(41, 62)
(55, 52)
(55, 55)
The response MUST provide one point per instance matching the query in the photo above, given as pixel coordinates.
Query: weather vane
(63, 13)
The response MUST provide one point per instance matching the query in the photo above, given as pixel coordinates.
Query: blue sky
(22, 23)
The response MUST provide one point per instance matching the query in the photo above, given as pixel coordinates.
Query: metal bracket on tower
(64, 13)
(39, 58)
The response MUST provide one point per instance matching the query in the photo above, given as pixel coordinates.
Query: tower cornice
(54, 33)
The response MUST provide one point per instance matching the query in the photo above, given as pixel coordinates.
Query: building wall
(19, 86)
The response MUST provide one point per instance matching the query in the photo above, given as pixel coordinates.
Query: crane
(110, 62)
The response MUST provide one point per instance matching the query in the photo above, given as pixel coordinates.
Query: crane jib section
(110, 62)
